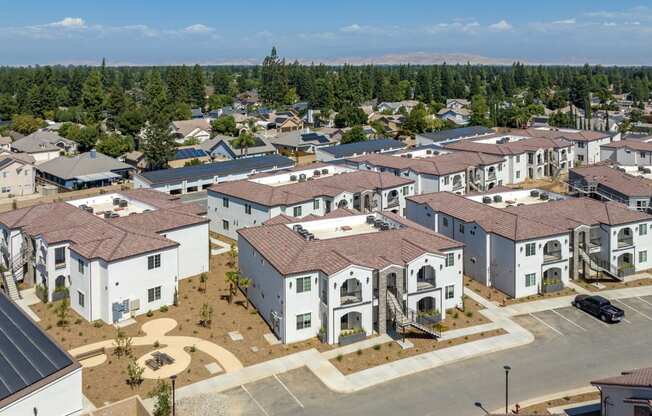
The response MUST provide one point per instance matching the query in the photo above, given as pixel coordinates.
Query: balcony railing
(458, 185)
(425, 284)
(625, 242)
(491, 176)
(394, 202)
(551, 256)
(347, 298)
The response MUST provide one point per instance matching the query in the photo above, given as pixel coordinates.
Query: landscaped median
(500, 299)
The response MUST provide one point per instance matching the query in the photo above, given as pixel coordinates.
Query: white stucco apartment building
(116, 255)
(523, 245)
(587, 143)
(347, 275)
(627, 394)
(307, 190)
(17, 178)
(629, 154)
(436, 170)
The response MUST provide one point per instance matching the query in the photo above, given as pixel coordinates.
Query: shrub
(193, 348)
(377, 347)
(163, 308)
(150, 314)
(339, 357)
(157, 344)
(134, 374)
(359, 352)
(78, 321)
(469, 314)
(98, 323)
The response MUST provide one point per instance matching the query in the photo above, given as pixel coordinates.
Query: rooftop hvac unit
(640, 168)
(293, 178)
(302, 177)
(428, 152)
(309, 236)
(371, 219)
(107, 214)
(114, 215)
(409, 156)
(534, 193)
(310, 178)
(498, 198)
(384, 226)
(89, 209)
(116, 201)
(297, 227)
(123, 203)
(486, 199)
(324, 171)
(316, 172)
(544, 196)
(647, 170)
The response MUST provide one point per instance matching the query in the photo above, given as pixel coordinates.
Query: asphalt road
(570, 350)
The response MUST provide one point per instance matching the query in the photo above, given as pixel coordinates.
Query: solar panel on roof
(189, 153)
(27, 355)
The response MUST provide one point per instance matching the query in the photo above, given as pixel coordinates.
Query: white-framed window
(642, 229)
(461, 228)
(446, 180)
(153, 262)
(530, 279)
(518, 158)
(405, 190)
(315, 204)
(60, 257)
(518, 174)
(296, 211)
(154, 294)
(248, 209)
(530, 249)
(450, 291)
(225, 202)
(81, 266)
(642, 256)
(81, 299)
(225, 225)
(303, 321)
(303, 284)
(444, 221)
(450, 259)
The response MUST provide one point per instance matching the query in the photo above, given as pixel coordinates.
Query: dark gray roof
(210, 170)
(28, 357)
(41, 141)
(440, 136)
(368, 146)
(84, 164)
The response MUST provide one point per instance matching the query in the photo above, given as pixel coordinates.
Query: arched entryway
(352, 320)
(342, 204)
(60, 282)
(426, 278)
(428, 312)
(625, 264)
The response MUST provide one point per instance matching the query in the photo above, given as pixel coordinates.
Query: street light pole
(173, 377)
(507, 368)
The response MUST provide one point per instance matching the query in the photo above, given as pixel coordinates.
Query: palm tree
(232, 278)
(244, 141)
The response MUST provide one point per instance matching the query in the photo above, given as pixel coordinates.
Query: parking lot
(571, 321)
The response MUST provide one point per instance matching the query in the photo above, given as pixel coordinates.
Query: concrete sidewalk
(224, 247)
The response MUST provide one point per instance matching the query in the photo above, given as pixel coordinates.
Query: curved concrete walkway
(155, 331)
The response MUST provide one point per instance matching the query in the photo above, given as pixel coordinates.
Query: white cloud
(69, 22)
(455, 26)
(198, 29)
(571, 21)
(609, 24)
(351, 28)
(501, 26)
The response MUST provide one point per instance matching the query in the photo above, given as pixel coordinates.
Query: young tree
(206, 315)
(134, 374)
(355, 134)
(159, 145)
(233, 256)
(62, 312)
(163, 404)
(122, 344)
(232, 278)
(203, 280)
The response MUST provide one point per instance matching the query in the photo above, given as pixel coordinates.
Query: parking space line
(568, 320)
(634, 309)
(255, 401)
(627, 321)
(546, 324)
(643, 300)
(288, 390)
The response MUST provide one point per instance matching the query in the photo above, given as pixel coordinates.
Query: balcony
(625, 242)
(393, 202)
(551, 256)
(426, 284)
(458, 185)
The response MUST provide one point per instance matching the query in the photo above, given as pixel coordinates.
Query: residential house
(308, 190)
(522, 242)
(86, 170)
(434, 170)
(341, 276)
(628, 394)
(17, 178)
(44, 145)
(391, 124)
(367, 147)
(302, 142)
(196, 178)
(459, 117)
(286, 121)
(39, 376)
(610, 184)
(196, 113)
(5, 144)
(444, 137)
(117, 255)
(136, 159)
(188, 155)
(457, 103)
(224, 148)
(195, 130)
(394, 107)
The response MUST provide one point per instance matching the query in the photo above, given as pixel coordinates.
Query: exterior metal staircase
(600, 265)
(410, 318)
(10, 286)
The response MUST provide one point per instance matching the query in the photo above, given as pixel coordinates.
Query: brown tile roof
(615, 179)
(297, 192)
(641, 377)
(435, 165)
(289, 253)
(512, 148)
(287, 219)
(581, 135)
(107, 239)
(636, 145)
(531, 221)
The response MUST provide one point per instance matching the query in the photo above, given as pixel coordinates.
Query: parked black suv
(599, 307)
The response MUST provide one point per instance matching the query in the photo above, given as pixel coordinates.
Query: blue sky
(169, 32)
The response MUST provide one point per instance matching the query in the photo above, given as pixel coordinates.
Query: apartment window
(530, 249)
(530, 158)
(461, 228)
(225, 202)
(580, 158)
(530, 279)
(303, 321)
(404, 190)
(446, 180)
(642, 411)
(500, 167)
(81, 266)
(444, 221)
(296, 211)
(153, 262)
(225, 225)
(642, 154)
(154, 294)
(580, 145)
(518, 174)
(6, 189)
(450, 259)
(60, 257)
(80, 299)
(642, 229)
(247, 209)
(642, 256)
(518, 159)
(303, 284)
(450, 291)
(315, 204)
